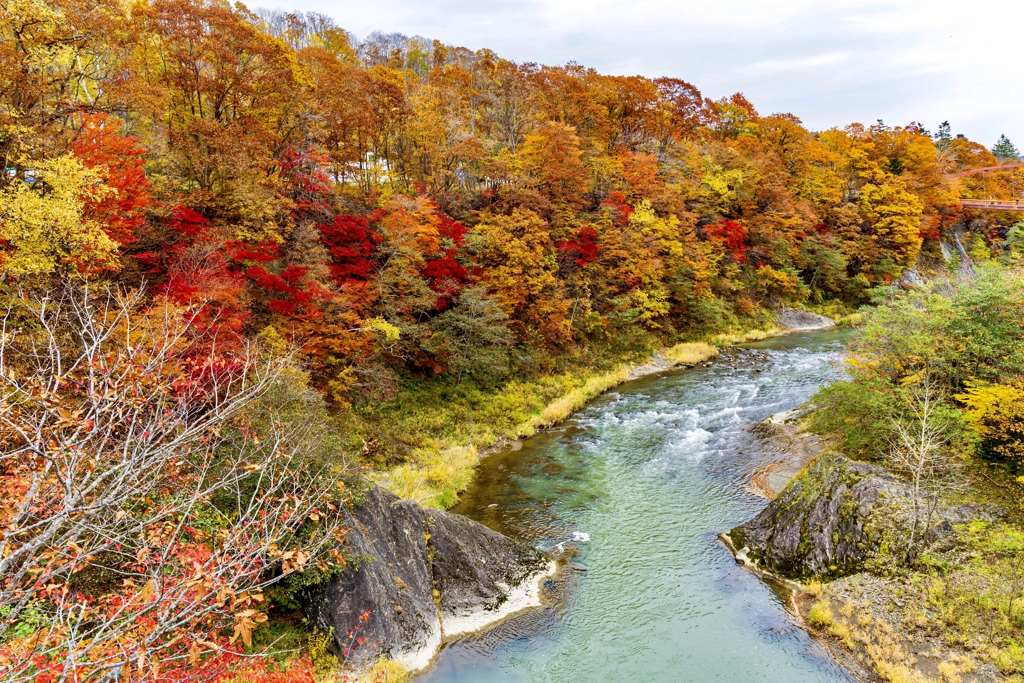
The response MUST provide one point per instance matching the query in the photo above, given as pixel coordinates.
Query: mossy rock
(837, 517)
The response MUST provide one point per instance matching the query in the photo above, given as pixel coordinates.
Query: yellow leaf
(147, 592)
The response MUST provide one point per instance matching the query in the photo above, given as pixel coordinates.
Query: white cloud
(829, 62)
(801, 63)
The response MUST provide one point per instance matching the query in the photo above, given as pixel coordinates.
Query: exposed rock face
(784, 433)
(423, 574)
(803, 320)
(835, 518)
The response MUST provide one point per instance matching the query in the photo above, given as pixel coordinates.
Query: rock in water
(837, 517)
(422, 575)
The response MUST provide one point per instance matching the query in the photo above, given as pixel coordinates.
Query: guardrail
(994, 204)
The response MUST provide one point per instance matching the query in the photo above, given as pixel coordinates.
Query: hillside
(246, 258)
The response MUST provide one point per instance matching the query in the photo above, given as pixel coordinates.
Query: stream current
(639, 484)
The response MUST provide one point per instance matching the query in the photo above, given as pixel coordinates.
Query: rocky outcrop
(417, 576)
(835, 518)
(786, 434)
(838, 517)
(803, 320)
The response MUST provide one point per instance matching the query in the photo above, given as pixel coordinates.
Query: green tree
(473, 336)
(823, 263)
(1005, 150)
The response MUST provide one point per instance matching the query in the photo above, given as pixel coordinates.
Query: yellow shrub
(996, 413)
(821, 615)
(318, 644)
(898, 673)
(385, 671)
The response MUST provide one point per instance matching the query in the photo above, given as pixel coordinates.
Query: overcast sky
(828, 62)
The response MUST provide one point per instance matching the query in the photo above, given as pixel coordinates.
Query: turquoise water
(639, 485)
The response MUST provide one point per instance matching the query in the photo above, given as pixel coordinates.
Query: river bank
(892, 624)
(440, 468)
(437, 472)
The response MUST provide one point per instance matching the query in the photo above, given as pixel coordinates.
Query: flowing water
(639, 485)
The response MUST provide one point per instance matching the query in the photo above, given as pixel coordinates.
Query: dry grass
(732, 338)
(813, 588)
(878, 645)
(690, 353)
(564, 406)
(434, 476)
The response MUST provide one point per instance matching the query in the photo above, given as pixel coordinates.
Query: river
(639, 484)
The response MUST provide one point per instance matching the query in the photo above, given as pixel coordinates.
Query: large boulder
(417, 576)
(803, 320)
(837, 517)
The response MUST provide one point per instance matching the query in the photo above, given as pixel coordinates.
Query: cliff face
(803, 320)
(422, 575)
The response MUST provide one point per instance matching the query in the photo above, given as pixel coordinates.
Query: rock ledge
(833, 519)
(423, 575)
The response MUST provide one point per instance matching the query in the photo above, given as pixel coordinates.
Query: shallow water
(651, 473)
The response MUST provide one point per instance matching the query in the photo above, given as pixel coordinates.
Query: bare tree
(146, 503)
(919, 450)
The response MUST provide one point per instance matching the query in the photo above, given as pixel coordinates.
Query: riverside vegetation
(935, 397)
(247, 259)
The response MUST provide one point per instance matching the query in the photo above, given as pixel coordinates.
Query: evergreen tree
(1004, 149)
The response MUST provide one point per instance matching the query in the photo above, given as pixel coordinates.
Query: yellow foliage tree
(996, 413)
(718, 189)
(519, 268)
(894, 215)
(43, 225)
(776, 284)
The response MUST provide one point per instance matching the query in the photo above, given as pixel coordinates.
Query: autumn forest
(236, 242)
